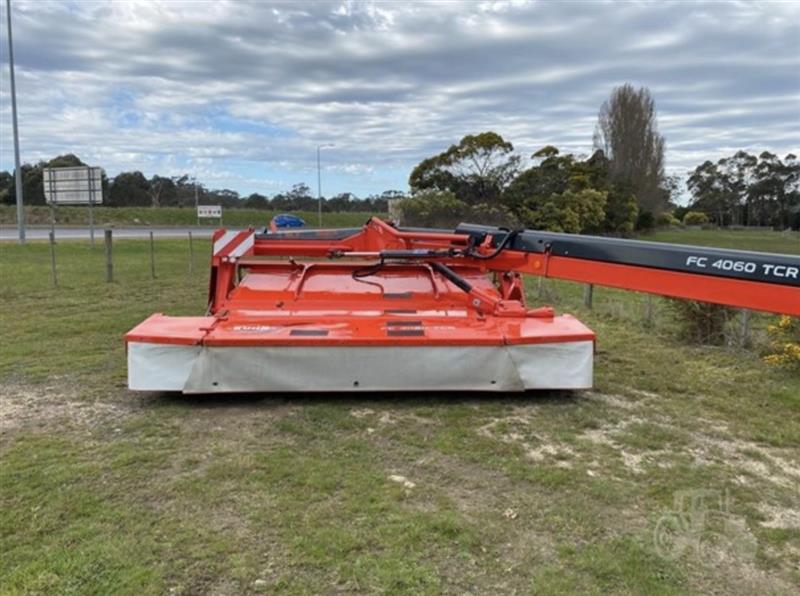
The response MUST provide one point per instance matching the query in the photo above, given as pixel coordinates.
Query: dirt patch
(606, 435)
(780, 518)
(647, 395)
(361, 413)
(716, 444)
(389, 418)
(46, 406)
(515, 429)
(615, 401)
(405, 482)
(632, 461)
(560, 451)
(518, 427)
(778, 466)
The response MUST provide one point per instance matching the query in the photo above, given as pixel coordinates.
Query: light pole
(319, 180)
(17, 167)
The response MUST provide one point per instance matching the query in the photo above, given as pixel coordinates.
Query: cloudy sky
(241, 93)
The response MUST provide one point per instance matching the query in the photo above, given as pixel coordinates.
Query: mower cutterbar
(381, 308)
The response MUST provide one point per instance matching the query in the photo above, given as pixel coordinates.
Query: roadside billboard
(80, 185)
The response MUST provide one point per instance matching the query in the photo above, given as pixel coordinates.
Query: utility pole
(319, 181)
(17, 166)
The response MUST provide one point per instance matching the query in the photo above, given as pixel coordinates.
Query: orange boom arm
(759, 281)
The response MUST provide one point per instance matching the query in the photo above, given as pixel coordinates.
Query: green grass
(760, 240)
(104, 491)
(169, 216)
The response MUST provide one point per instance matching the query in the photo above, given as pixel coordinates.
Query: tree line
(619, 188)
(134, 189)
(748, 190)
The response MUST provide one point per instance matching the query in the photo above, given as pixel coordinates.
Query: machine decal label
(256, 328)
(737, 266)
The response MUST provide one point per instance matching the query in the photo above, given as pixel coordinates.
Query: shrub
(622, 211)
(552, 217)
(667, 219)
(784, 347)
(492, 215)
(432, 208)
(645, 221)
(574, 212)
(679, 212)
(695, 218)
(701, 322)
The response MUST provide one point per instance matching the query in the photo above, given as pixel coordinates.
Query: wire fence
(126, 261)
(73, 262)
(742, 329)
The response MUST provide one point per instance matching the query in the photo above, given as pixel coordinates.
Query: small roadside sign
(209, 211)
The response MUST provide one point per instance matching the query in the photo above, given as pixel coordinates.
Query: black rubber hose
(500, 247)
(452, 276)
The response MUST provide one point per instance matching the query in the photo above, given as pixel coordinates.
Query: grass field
(168, 216)
(766, 241)
(104, 491)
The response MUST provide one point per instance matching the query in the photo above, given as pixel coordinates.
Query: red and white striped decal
(232, 245)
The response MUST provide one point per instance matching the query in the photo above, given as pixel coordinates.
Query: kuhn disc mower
(406, 309)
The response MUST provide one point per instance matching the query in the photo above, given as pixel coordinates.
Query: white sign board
(209, 211)
(79, 185)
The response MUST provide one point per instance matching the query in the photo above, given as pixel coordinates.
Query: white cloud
(232, 88)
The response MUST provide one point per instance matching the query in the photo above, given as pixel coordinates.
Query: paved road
(9, 233)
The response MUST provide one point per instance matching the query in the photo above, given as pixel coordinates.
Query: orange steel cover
(322, 304)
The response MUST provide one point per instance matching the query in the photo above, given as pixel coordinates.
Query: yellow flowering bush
(785, 343)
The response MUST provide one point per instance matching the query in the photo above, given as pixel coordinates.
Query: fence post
(152, 256)
(53, 258)
(191, 254)
(588, 294)
(109, 260)
(91, 218)
(648, 310)
(744, 339)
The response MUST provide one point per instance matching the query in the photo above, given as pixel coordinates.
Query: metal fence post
(91, 224)
(53, 258)
(648, 310)
(191, 254)
(588, 295)
(152, 256)
(109, 260)
(744, 340)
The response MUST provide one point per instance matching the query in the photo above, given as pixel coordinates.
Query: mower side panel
(160, 367)
(212, 369)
